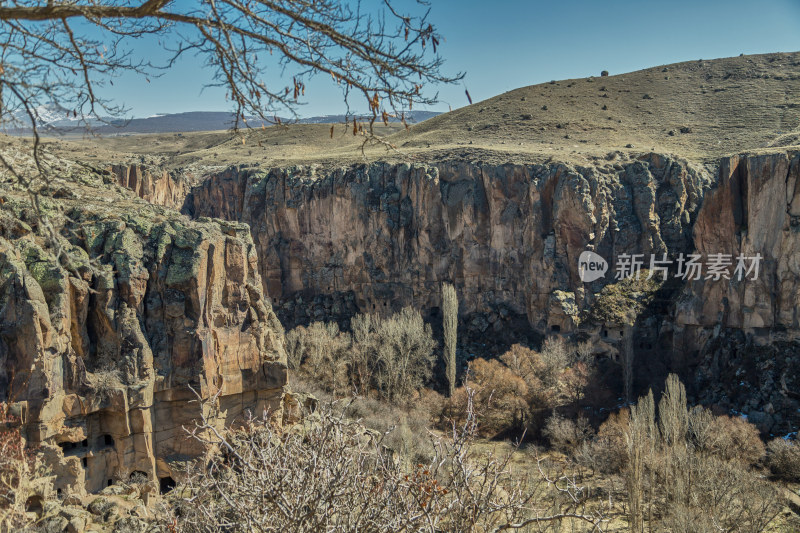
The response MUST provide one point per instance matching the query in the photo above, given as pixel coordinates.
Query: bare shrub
(528, 365)
(362, 354)
(320, 351)
(556, 356)
(404, 354)
(724, 496)
(735, 439)
(783, 459)
(567, 435)
(330, 474)
(609, 446)
(295, 347)
(405, 431)
(105, 380)
(19, 468)
(498, 395)
(701, 429)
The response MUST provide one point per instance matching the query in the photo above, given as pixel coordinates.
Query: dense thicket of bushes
(332, 474)
(513, 391)
(391, 356)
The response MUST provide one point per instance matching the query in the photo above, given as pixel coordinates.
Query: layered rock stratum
(100, 351)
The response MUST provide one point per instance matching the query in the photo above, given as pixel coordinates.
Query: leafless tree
(627, 356)
(450, 326)
(61, 53)
(333, 475)
(639, 440)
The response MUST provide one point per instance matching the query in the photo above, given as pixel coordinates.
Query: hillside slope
(696, 109)
(699, 110)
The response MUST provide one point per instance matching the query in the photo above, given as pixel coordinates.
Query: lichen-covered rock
(98, 350)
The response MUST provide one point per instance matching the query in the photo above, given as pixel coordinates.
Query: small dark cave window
(555, 328)
(85, 462)
(166, 484)
(605, 333)
(108, 440)
(34, 505)
(109, 482)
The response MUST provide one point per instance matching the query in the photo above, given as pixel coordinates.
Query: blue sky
(504, 44)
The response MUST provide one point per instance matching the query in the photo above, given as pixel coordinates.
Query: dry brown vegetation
(330, 474)
(712, 108)
(18, 469)
(390, 356)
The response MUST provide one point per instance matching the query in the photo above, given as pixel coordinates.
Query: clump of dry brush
(332, 474)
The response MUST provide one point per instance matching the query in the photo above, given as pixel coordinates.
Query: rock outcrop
(157, 186)
(98, 350)
(743, 336)
(379, 237)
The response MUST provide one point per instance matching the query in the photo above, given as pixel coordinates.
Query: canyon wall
(152, 184)
(379, 237)
(98, 351)
(738, 337)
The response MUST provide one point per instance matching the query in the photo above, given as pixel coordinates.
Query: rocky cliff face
(155, 185)
(742, 336)
(98, 350)
(378, 237)
(382, 236)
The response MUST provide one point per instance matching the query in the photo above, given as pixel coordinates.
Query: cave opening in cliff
(166, 484)
(108, 440)
(34, 505)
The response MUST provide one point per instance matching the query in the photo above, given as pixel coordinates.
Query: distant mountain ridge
(54, 120)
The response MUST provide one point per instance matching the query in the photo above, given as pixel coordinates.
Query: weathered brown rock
(755, 209)
(508, 236)
(97, 352)
(155, 185)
